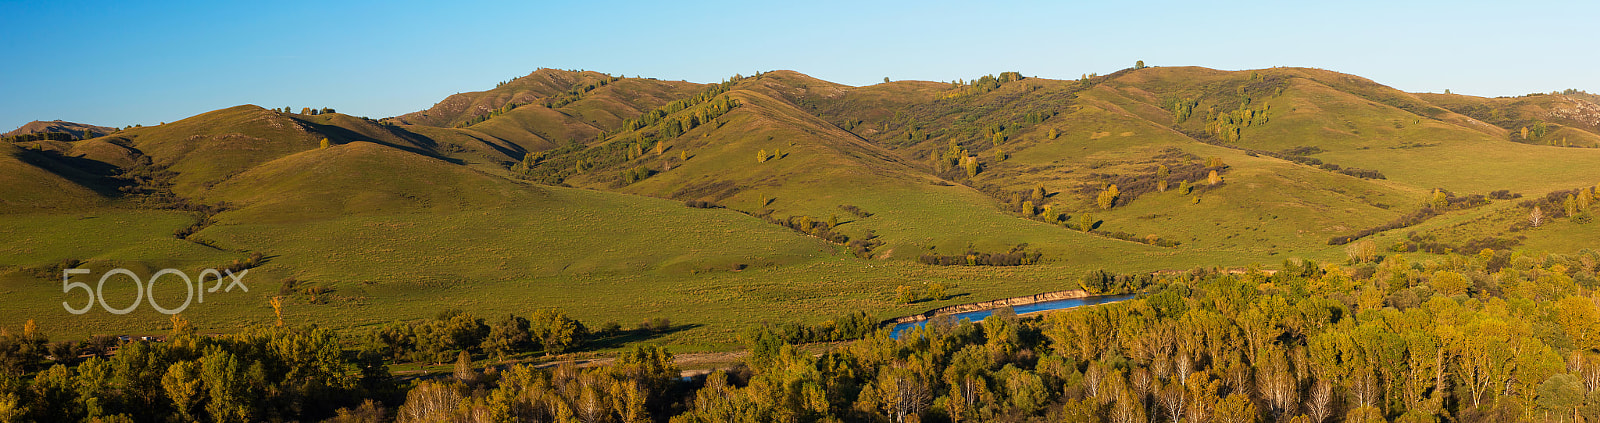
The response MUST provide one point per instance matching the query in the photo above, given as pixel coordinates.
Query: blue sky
(117, 63)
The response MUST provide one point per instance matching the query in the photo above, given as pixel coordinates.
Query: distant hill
(77, 130)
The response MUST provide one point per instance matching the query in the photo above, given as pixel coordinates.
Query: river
(979, 315)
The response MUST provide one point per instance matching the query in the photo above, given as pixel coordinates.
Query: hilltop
(628, 197)
(76, 130)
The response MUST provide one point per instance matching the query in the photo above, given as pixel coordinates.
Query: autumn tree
(1108, 197)
(905, 294)
(430, 402)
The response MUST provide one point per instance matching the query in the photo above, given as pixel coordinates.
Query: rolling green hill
(569, 189)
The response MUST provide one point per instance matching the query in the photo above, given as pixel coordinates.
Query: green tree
(936, 291)
(1561, 395)
(182, 385)
(555, 331)
(229, 392)
(507, 335)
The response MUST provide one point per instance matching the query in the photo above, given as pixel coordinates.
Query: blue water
(979, 315)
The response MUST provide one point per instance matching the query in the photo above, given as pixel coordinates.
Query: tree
(554, 330)
(761, 156)
(905, 294)
(885, 79)
(1561, 394)
(507, 335)
(1213, 178)
(1236, 408)
(325, 143)
(1086, 222)
(683, 155)
(464, 372)
(1027, 208)
(1053, 133)
(1450, 283)
(1138, 64)
(182, 385)
(1536, 217)
(936, 291)
(1108, 197)
(429, 402)
(229, 392)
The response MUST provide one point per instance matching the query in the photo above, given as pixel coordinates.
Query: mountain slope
(77, 130)
(32, 181)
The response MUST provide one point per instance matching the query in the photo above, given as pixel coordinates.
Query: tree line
(452, 332)
(1502, 337)
(48, 136)
(261, 374)
(1017, 256)
(860, 247)
(1439, 202)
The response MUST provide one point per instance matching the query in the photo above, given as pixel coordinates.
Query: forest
(1497, 336)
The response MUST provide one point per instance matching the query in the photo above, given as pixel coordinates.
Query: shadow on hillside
(624, 337)
(424, 145)
(93, 174)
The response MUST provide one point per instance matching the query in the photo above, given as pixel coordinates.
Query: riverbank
(990, 305)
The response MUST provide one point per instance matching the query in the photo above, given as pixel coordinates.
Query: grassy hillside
(76, 130)
(568, 189)
(33, 180)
